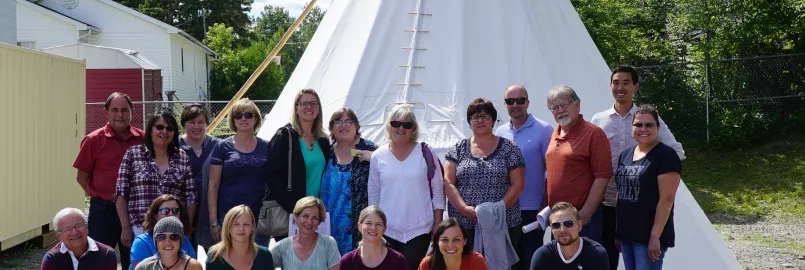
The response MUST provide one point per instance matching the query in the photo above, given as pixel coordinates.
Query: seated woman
(308, 249)
(449, 250)
(237, 249)
(372, 252)
(168, 240)
(164, 206)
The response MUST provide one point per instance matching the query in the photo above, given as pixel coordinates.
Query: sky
(294, 7)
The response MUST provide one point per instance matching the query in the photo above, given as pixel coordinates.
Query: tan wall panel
(41, 127)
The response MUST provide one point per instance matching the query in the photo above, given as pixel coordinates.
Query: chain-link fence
(728, 102)
(96, 116)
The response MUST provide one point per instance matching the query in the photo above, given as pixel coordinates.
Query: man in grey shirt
(617, 124)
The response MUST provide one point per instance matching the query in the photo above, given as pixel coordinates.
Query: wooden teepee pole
(261, 68)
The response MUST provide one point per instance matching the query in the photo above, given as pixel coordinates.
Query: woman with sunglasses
(237, 249)
(343, 186)
(449, 250)
(648, 175)
(484, 168)
(168, 235)
(164, 206)
(400, 184)
(372, 252)
(198, 145)
(309, 147)
(236, 168)
(154, 168)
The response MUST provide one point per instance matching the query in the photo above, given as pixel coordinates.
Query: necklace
(308, 141)
(169, 267)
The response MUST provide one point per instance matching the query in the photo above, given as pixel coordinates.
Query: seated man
(569, 251)
(75, 249)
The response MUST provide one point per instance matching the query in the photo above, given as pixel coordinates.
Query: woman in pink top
(372, 252)
(449, 250)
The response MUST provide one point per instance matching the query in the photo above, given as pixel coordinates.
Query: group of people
(156, 195)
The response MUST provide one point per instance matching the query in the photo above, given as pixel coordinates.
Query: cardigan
(277, 167)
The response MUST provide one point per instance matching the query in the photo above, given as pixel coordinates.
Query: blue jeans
(593, 229)
(635, 257)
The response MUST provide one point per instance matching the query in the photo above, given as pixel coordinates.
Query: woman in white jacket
(405, 180)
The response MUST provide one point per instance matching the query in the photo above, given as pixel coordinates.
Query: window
(182, 55)
(27, 44)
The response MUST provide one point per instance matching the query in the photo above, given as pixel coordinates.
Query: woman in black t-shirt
(648, 175)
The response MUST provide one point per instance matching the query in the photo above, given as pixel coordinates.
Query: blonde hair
(245, 105)
(307, 202)
(403, 112)
(318, 126)
(223, 247)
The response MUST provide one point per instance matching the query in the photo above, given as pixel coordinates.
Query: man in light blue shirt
(532, 136)
(617, 124)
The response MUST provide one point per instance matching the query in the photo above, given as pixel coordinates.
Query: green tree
(187, 14)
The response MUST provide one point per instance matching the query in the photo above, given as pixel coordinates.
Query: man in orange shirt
(578, 161)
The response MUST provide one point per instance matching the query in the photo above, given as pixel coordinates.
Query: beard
(568, 241)
(563, 121)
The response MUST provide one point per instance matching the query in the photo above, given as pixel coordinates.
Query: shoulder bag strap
(290, 156)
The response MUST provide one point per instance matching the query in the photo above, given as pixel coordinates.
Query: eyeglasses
(480, 118)
(520, 100)
(247, 115)
(405, 125)
(79, 227)
(647, 125)
(308, 103)
(343, 122)
(161, 127)
(173, 237)
(165, 211)
(373, 225)
(562, 107)
(567, 224)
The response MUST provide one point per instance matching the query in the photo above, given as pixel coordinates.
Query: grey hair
(562, 91)
(66, 212)
(403, 112)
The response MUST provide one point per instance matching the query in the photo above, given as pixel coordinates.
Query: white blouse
(401, 189)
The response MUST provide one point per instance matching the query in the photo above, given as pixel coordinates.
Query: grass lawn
(765, 180)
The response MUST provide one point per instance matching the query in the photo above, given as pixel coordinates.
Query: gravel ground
(757, 244)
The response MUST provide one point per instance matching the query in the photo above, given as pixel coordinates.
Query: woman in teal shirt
(309, 150)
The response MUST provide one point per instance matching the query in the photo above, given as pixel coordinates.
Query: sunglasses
(567, 224)
(405, 125)
(247, 115)
(165, 211)
(173, 237)
(161, 127)
(647, 125)
(520, 100)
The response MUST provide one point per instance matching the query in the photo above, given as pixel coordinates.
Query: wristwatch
(214, 225)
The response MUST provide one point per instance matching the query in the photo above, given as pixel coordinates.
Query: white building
(8, 20)
(183, 59)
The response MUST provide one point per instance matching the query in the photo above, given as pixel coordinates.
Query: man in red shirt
(578, 161)
(98, 162)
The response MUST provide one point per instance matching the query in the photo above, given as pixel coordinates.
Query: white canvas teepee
(439, 55)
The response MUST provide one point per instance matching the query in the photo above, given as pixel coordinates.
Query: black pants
(414, 250)
(104, 227)
(608, 236)
(529, 242)
(515, 233)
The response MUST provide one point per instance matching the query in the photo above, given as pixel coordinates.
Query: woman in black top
(647, 177)
(305, 132)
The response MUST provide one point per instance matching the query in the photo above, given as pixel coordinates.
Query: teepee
(439, 55)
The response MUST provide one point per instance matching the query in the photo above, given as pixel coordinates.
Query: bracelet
(214, 225)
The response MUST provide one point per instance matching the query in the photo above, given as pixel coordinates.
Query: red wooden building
(112, 70)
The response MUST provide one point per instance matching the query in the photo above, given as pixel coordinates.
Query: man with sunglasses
(617, 124)
(75, 248)
(569, 251)
(532, 136)
(98, 161)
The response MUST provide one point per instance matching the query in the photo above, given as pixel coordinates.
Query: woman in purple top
(372, 252)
